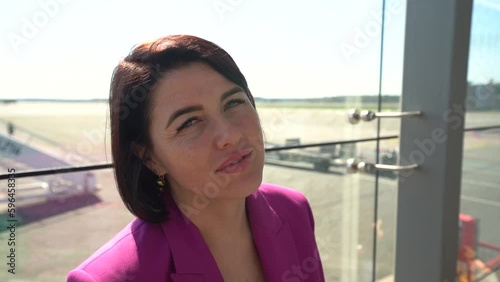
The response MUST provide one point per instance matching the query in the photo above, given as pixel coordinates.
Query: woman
(188, 154)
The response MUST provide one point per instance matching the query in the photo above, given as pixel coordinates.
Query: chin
(254, 179)
(255, 184)
(243, 187)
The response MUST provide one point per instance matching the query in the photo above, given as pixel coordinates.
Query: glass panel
(74, 131)
(342, 204)
(53, 235)
(390, 85)
(385, 226)
(479, 249)
(306, 66)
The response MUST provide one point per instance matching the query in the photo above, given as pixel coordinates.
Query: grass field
(343, 204)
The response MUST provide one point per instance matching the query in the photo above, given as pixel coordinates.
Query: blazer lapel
(194, 262)
(272, 237)
(182, 277)
(191, 256)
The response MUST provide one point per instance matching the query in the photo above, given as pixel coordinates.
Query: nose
(227, 134)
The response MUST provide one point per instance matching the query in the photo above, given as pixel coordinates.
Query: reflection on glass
(479, 245)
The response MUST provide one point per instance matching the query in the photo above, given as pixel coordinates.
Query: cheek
(187, 154)
(187, 163)
(252, 130)
(247, 119)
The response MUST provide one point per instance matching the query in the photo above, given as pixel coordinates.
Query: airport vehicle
(321, 159)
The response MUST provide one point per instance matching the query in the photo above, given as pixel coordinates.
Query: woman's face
(206, 134)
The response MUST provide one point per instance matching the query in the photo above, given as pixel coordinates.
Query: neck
(218, 220)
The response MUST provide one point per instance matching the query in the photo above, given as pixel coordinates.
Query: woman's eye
(233, 103)
(187, 123)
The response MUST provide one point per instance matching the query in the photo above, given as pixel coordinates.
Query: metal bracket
(354, 166)
(355, 115)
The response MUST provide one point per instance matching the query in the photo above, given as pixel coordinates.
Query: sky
(67, 49)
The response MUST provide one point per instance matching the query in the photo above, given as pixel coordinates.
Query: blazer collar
(191, 256)
(193, 260)
(272, 237)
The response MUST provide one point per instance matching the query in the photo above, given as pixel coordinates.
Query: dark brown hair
(132, 86)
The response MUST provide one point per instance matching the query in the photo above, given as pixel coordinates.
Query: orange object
(467, 248)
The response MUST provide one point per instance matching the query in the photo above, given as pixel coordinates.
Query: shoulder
(134, 254)
(276, 194)
(286, 201)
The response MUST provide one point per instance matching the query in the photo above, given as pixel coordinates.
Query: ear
(142, 153)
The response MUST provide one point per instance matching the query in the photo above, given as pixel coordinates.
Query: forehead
(189, 83)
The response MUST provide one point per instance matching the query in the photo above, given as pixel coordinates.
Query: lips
(236, 162)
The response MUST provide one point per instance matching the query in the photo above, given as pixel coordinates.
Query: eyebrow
(194, 108)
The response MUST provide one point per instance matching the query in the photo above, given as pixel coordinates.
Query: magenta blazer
(282, 227)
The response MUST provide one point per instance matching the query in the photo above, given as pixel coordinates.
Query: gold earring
(161, 182)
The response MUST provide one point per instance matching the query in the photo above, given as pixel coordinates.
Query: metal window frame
(434, 81)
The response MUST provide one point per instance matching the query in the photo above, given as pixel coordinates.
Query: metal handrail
(47, 171)
(482, 128)
(55, 170)
(330, 143)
